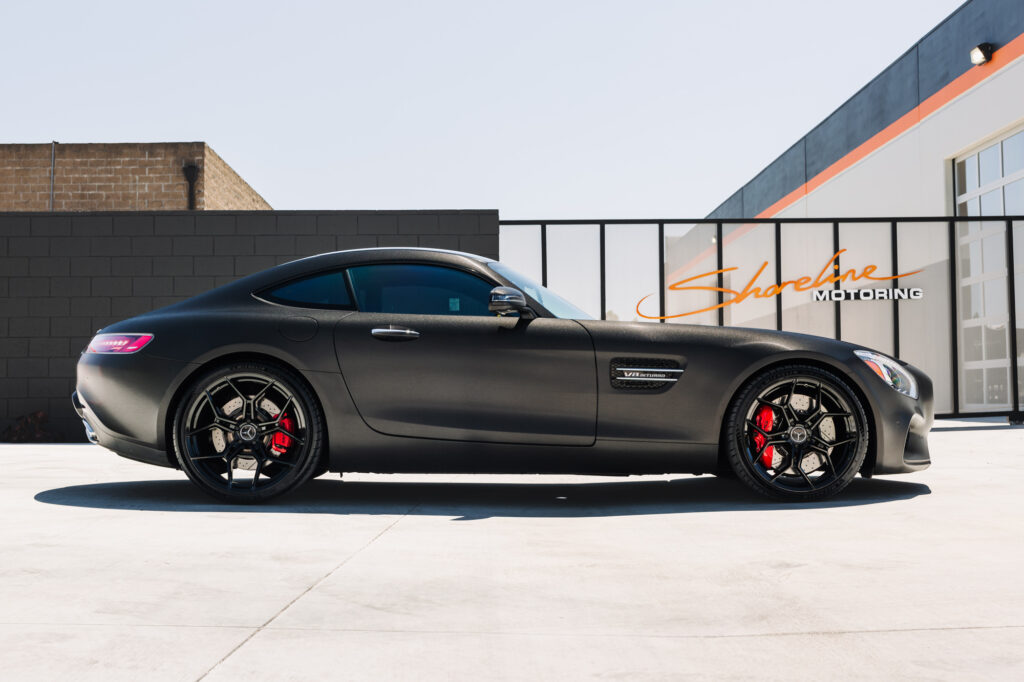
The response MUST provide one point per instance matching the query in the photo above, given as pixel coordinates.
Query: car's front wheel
(796, 433)
(248, 431)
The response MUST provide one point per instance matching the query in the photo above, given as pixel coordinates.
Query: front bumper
(901, 426)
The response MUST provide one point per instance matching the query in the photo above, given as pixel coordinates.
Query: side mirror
(506, 300)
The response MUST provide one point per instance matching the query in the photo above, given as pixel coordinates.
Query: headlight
(890, 371)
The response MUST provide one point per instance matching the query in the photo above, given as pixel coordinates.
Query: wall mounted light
(982, 53)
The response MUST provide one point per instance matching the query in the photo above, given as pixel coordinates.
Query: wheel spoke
(275, 460)
(281, 429)
(256, 473)
(201, 457)
(751, 424)
(807, 478)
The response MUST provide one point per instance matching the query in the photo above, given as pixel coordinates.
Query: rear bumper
(98, 434)
(123, 400)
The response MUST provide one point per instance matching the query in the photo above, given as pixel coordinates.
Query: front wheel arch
(867, 468)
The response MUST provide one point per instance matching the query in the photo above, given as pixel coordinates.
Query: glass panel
(750, 250)
(995, 298)
(691, 251)
(972, 344)
(419, 290)
(990, 165)
(1014, 198)
(320, 291)
(519, 248)
(992, 203)
(974, 387)
(968, 208)
(970, 174)
(1013, 154)
(970, 259)
(996, 384)
(993, 249)
(631, 271)
(867, 321)
(995, 343)
(806, 249)
(574, 265)
(970, 302)
(1018, 265)
(925, 325)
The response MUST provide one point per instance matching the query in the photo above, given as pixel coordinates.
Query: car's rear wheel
(796, 433)
(248, 431)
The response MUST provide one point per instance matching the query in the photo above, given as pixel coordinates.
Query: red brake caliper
(765, 420)
(279, 444)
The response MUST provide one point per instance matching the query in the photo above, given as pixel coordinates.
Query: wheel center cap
(247, 431)
(799, 434)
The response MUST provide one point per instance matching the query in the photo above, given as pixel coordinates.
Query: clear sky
(540, 109)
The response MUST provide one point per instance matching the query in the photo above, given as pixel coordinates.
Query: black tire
(226, 425)
(807, 422)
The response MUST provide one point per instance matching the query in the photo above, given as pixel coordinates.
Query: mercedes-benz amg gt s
(420, 360)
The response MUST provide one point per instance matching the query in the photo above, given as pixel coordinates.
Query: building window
(987, 182)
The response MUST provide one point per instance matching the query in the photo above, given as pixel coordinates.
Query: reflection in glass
(750, 249)
(869, 322)
(995, 298)
(970, 301)
(631, 271)
(925, 339)
(806, 248)
(995, 343)
(519, 248)
(996, 383)
(574, 265)
(974, 386)
(972, 345)
(691, 250)
(993, 253)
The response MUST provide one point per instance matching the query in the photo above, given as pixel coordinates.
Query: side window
(326, 290)
(419, 290)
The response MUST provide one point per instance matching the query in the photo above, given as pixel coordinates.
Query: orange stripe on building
(958, 86)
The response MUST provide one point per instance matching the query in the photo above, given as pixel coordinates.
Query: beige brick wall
(222, 189)
(119, 177)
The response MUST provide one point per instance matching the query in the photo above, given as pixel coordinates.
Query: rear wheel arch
(231, 358)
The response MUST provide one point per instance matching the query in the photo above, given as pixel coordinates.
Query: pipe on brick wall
(53, 168)
(191, 171)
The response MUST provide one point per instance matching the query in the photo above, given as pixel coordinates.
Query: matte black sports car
(420, 360)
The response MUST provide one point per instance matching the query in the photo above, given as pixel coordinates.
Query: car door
(424, 358)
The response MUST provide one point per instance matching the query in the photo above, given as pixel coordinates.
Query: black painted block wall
(65, 275)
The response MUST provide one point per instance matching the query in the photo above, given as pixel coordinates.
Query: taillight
(119, 343)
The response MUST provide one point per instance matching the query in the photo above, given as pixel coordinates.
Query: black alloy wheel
(797, 433)
(248, 432)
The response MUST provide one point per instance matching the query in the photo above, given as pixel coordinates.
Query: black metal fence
(959, 237)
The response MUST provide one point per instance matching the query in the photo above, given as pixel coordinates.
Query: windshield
(558, 306)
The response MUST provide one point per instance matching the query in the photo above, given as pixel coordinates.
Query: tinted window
(326, 290)
(419, 290)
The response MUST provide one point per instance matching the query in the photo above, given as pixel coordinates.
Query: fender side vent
(644, 374)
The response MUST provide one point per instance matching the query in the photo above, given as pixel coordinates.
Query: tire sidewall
(734, 432)
(311, 455)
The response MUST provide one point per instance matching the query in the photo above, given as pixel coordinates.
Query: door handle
(393, 333)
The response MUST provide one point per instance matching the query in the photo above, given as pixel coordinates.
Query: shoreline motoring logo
(828, 276)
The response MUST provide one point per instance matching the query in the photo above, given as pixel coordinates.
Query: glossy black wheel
(248, 432)
(797, 433)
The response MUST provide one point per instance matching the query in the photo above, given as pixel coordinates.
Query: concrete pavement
(113, 570)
